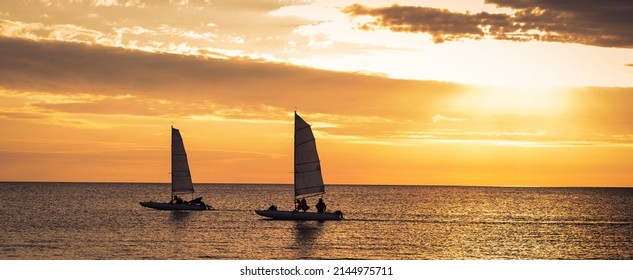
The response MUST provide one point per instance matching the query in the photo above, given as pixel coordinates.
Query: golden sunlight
(514, 101)
(419, 92)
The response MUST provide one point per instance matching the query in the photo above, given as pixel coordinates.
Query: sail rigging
(180, 180)
(180, 174)
(308, 179)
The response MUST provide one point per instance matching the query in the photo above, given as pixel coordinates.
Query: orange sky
(89, 89)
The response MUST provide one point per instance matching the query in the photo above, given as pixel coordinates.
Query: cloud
(13, 115)
(597, 23)
(440, 118)
(70, 84)
(83, 81)
(66, 68)
(441, 24)
(110, 22)
(113, 3)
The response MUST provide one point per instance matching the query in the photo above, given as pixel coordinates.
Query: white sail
(180, 175)
(308, 177)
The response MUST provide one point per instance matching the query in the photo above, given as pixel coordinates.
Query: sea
(104, 221)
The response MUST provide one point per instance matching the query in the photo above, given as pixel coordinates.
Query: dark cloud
(441, 24)
(66, 68)
(105, 81)
(598, 23)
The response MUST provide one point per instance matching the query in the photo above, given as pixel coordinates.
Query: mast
(180, 174)
(308, 179)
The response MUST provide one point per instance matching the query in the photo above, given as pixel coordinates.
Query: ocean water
(77, 221)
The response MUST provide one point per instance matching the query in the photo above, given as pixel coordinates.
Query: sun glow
(514, 101)
(419, 92)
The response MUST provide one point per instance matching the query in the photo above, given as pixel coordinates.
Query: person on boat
(272, 207)
(197, 201)
(320, 206)
(178, 200)
(303, 205)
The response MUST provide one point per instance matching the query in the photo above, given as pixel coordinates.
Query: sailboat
(180, 180)
(308, 179)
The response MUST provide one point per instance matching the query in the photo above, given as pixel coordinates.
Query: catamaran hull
(170, 206)
(300, 216)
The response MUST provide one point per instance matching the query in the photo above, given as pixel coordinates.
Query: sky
(465, 92)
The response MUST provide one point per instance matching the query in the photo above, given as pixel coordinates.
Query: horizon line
(333, 184)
